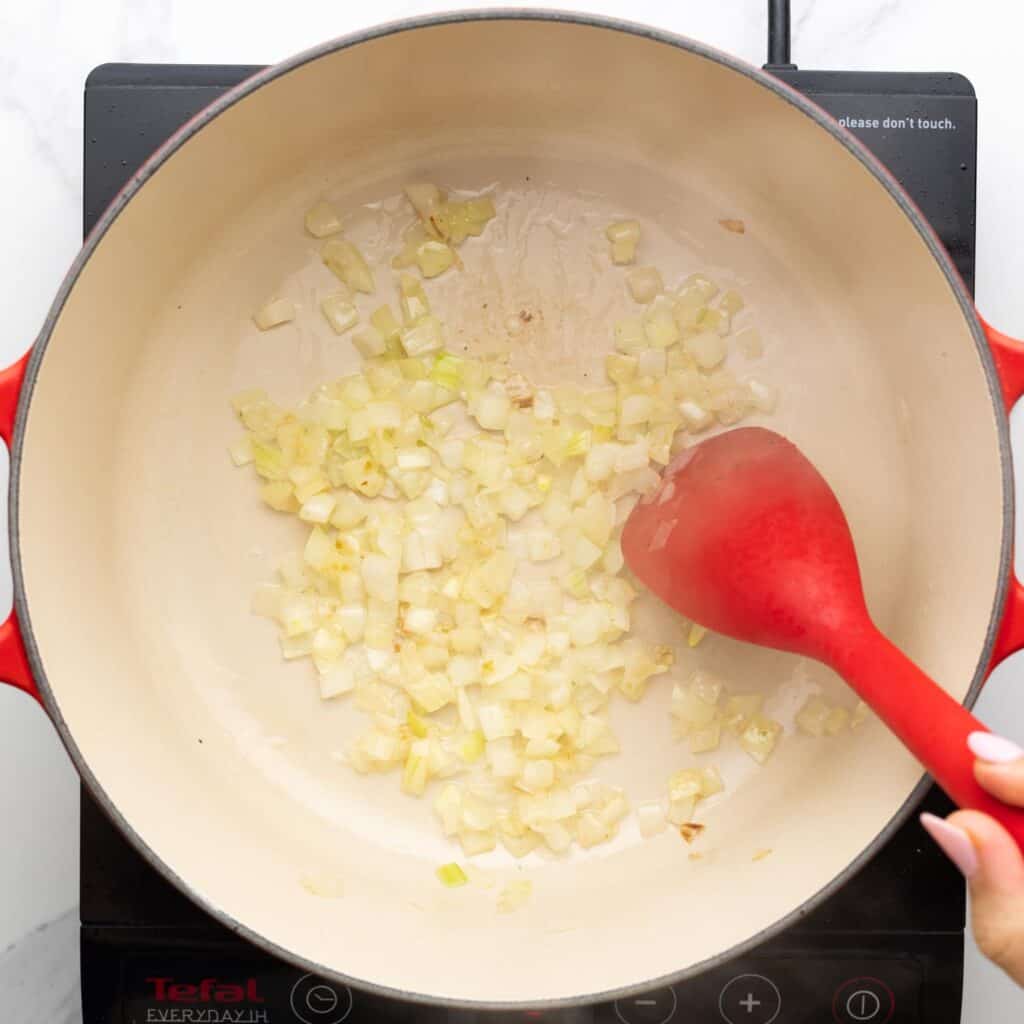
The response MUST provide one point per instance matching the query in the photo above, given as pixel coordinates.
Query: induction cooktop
(882, 948)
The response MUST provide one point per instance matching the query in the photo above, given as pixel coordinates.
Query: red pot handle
(14, 666)
(1008, 355)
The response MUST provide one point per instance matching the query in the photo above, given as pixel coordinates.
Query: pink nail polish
(954, 843)
(987, 746)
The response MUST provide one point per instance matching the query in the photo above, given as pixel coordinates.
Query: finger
(1004, 781)
(1000, 766)
(999, 871)
(992, 863)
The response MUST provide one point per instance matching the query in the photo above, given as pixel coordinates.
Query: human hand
(988, 857)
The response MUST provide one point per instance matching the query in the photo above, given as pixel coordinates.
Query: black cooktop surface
(888, 946)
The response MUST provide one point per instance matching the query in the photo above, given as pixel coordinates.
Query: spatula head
(745, 537)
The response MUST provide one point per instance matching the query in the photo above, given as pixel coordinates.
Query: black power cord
(778, 37)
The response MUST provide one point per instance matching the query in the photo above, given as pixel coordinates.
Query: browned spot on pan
(689, 830)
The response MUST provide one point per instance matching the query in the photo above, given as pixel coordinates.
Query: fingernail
(987, 746)
(954, 842)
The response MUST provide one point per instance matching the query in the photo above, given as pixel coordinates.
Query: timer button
(315, 1001)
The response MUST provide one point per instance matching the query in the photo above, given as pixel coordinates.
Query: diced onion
(423, 337)
(346, 262)
(426, 200)
(681, 811)
(369, 343)
(492, 409)
(759, 737)
(322, 220)
(340, 312)
(651, 363)
(702, 284)
(764, 396)
(651, 818)
(412, 299)
(241, 451)
(636, 409)
(695, 416)
(385, 324)
(644, 283)
(731, 302)
(318, 509)
(623, 231)
(275, 313)
(543, 545)
(660, 329)
(461, 577)
(707, 348)
(434, 258)
(451, 876)
(624, 236)
(710, 781)
(739, 709)
(810, 719)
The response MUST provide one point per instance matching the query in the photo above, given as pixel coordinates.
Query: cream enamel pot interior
(136, 544)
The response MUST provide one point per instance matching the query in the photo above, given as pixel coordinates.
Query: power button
(863, 1001)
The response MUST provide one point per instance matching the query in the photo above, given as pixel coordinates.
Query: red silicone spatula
(745, 537)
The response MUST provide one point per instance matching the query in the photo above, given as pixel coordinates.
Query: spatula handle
(931, 724)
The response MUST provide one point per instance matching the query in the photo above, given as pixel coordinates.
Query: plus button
(750, 999)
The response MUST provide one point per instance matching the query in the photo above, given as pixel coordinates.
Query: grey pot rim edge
(196, 124)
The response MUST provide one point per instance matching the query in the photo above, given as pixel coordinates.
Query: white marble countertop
(47, 48)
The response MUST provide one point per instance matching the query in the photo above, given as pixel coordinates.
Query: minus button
(656, 1007)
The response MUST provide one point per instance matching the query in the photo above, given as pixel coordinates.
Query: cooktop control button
(315, 1001)
(655, 1007)
(750, 999)
(863, 1001)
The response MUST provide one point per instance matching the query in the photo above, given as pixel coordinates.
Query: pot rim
(760, 78)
